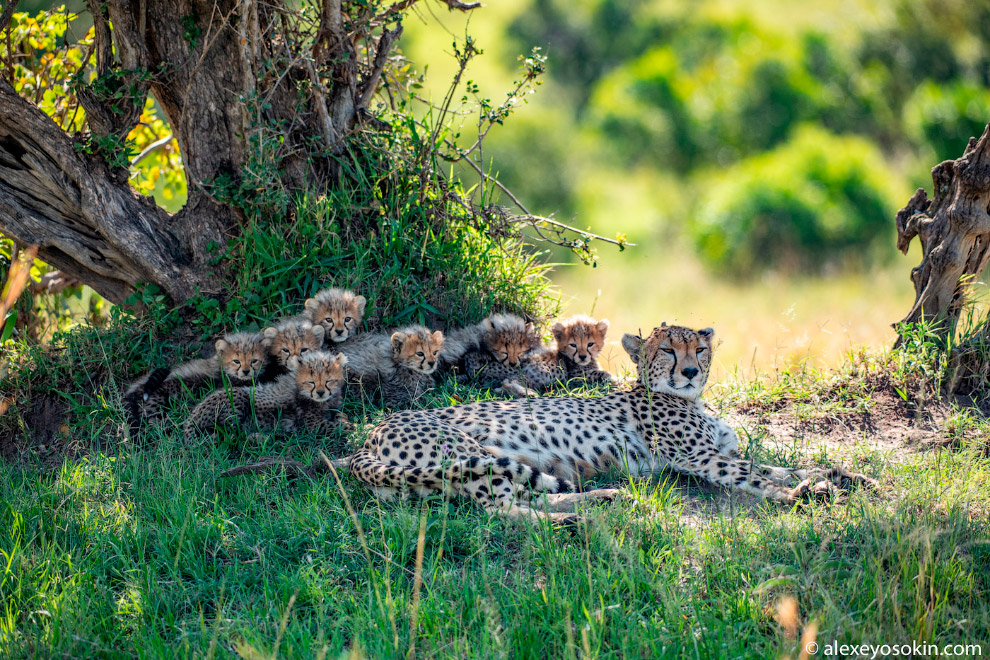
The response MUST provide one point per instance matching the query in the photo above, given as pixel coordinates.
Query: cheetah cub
(339, 311)
(290, 339)
(512, 356)
(580, 340)
(305, 398)
(240, 359)
(395, 369)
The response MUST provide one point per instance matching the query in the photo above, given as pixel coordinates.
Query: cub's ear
(603, 326)
(633, 345)
(398, 339)
(663, 324)
(707, 333)
(305, 324)
(266, 340)
(270, 333)
(221, 346)
(318, 331)
(292, 364)
(438, 336)
(558, 331)
(341, 360)
(360, 302)
(530, 328)
(487, 325)
(311, 304)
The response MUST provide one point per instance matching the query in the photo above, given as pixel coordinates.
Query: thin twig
(157, 144)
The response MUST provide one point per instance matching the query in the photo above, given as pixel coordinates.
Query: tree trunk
(954, 230)
(224, 72)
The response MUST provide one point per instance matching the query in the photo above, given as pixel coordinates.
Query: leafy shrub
(944, 117)
(818, 199)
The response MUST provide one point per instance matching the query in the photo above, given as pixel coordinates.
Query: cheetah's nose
(431, 362)
(339, 331)
(690, 372)
(320, 392)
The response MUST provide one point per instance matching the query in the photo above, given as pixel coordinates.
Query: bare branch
(388, 38)
(157, 144)
(5, 18)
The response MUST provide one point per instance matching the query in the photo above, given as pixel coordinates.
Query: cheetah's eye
(311, 383)
(255, 361)
(285, 350)
(329, 321)
(435, 353)
(237, 362)
(348, 319)
(591, 344)
(420, 354)
(328, 384)
(668, 351)
(303, 350)
(573, 345)
(700, 350)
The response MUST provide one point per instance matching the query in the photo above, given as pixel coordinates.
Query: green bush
(814, 201)
(944, 117)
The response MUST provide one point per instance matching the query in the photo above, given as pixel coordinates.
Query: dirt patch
(885, 423)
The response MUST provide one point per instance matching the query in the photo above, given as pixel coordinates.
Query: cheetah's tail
(371, 470)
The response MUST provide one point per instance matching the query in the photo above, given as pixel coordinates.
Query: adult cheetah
(500, 452)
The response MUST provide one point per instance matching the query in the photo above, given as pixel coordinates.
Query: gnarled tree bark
(954, 230)
(221, 70)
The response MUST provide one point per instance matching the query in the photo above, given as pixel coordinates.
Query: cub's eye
(329, 320)
(348, 319)
(285, 350)
(311, 383)
(255, 361)
(237, 362)
(328, 384)
(303, 350)
(420, 354)
(435, 352)
(573, 345)
(668, 351)
(591, 344)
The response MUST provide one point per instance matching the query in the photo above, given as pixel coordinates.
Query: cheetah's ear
(707, 333)
(398, 339)
(558, 331)
(318, 331)
(221, 346)
(603, 326)
(341, 360)
(310, 304)
(437, 336)
(270, 333)
(530, 328)
(265, 339)
(305, 324)
(487, 325)
(292, 364)
(663, 324)
(360, 302)
(633, 345)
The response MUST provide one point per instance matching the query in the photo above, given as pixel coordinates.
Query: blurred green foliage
(712, 95)
(817, 199)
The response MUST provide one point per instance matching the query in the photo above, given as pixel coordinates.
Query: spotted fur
(638, 431)
(305, 398)
(580, 340)
(240, 358)
(396, 368)
(290, 339)
(339, 311)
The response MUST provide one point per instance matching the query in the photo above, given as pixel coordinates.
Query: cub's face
(509, 345)
(339, 312)
(320, 377)
(673, 359)
(290, 340)
(417, 350)
(243, 355)
(580, 339)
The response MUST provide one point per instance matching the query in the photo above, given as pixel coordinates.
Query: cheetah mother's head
(673, 359)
